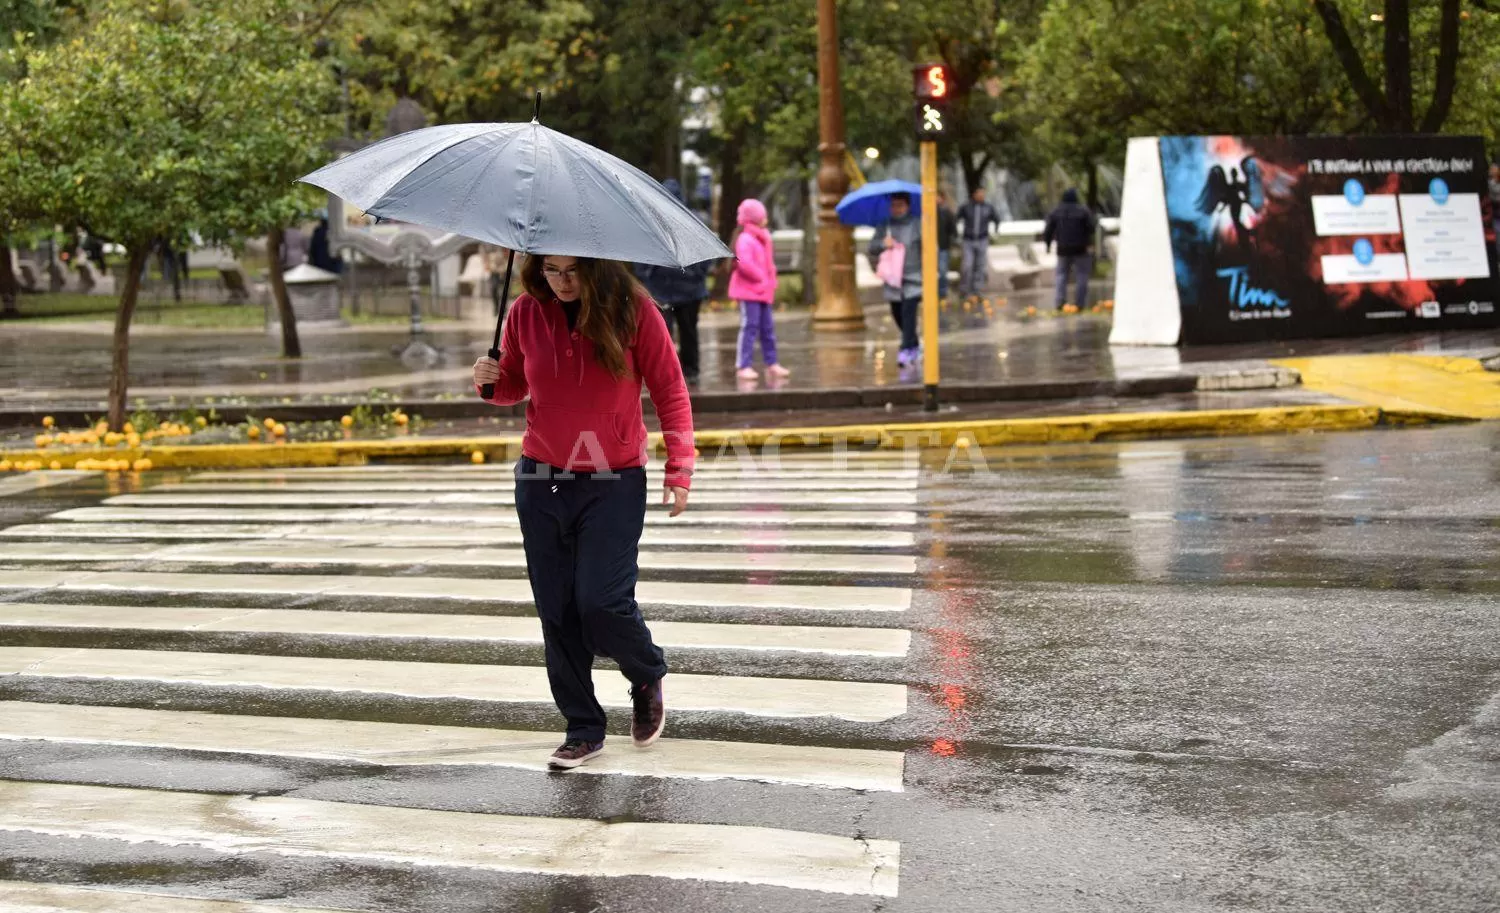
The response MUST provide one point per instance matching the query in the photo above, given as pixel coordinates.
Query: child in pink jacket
(753, 285)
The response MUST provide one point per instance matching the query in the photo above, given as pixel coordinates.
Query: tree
(25, 23)
(1391, 104)
(161, 119)
(765, 105)
(1099, 72)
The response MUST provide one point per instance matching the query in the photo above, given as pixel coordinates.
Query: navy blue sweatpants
(581, 533)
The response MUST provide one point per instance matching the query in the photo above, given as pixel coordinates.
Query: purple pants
(756, 323)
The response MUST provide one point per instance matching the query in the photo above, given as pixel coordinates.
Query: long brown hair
(608, 300)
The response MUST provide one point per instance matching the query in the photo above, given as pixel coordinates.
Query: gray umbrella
(526, 188)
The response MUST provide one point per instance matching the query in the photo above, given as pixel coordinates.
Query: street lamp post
(838, 305)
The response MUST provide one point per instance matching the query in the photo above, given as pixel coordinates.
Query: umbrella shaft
(510, 262)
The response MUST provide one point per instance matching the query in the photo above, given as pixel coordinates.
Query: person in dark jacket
(947, 233)
(1071, 226)
(680, 294)
(319, 254)
(974, 220)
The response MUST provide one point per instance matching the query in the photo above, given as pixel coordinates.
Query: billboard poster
(1286, 236)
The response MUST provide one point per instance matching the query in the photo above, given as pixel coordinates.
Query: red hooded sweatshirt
(582, 418)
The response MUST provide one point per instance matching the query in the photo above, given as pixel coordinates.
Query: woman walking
(753, 285)
(580, 343)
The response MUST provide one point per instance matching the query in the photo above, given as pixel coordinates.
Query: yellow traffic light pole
(930, 372)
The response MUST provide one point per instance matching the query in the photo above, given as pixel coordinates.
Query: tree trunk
(1398, 65)
(1352, 63)
(119, 370)
(1447, 69)
(731, 191)
(809, 244)
(291, 346)
(9, 287)
(1093, 185)
(731, 185)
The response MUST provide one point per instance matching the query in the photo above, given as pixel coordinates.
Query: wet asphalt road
(1242, 674)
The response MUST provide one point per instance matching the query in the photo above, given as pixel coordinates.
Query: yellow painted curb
(1405, 386)
(981, 432)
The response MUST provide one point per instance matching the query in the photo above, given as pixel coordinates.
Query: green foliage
(759, 59)
(157, 119)
(1100, 72)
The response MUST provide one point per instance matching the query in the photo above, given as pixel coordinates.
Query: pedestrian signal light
(931, 122)
(932, 83)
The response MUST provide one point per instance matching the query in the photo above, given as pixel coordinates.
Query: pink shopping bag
(892, 264)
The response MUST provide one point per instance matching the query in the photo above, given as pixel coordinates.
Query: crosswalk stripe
(875, 520)
(204, 494)
(465, 589)
(709, 460)
(437, 534)
(31, 481)
(491, 472)
(485, 486)
(440, 556)
(408, 836)
(862, 702)
(31, 897)
(415, 745)
(414, 626)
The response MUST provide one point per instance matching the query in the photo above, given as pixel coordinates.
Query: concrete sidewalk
(997, 362)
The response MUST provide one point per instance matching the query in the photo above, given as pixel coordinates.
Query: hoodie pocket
(591, 440)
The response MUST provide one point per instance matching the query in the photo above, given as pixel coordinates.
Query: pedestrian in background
(974, 220)
(753, 285)
(904, 228)
(579, 344)
(679, 293)
(1071, 225)
(319, 253)
(947, 229)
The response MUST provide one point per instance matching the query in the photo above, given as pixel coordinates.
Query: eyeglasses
(553, 273)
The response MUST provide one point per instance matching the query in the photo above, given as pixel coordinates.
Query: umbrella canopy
(526, 188)
(871, 204)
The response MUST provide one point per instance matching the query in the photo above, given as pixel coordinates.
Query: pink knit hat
(752, 212)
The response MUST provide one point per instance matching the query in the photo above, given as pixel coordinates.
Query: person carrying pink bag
(753, 285)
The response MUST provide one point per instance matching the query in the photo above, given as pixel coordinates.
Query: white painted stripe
(28, 897)
(493, 473)
(493, 516)
(404, 744)
(839, 641)
(484, 486)
(435, 534)
(360, 498)
(437, 556)
(862, 702)
(409, 836)
(465, 589)
(789, 459)
(31, 481)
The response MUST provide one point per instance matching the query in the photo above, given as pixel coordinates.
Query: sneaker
(747, 374)
(907, 357)
(648, 714)
(777, 370)
(574, 752)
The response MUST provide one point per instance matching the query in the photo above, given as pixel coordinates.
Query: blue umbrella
(871, 204)
(525, 188)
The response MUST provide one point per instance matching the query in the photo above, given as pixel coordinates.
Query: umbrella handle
(487, 391)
